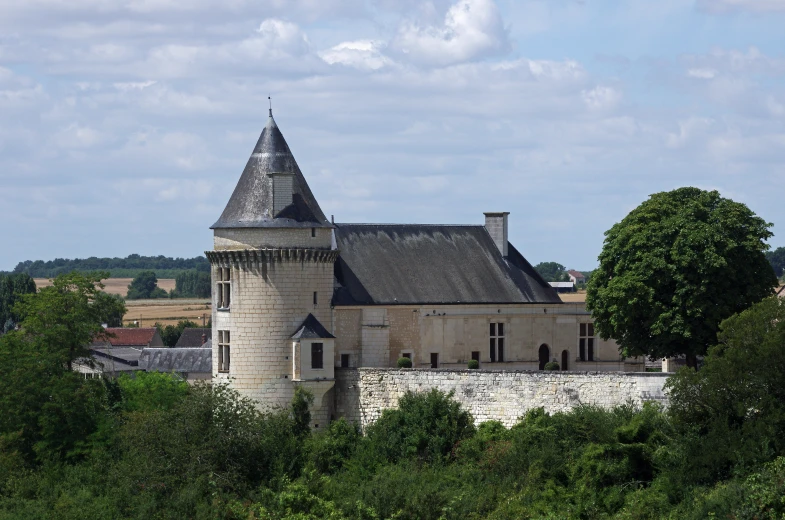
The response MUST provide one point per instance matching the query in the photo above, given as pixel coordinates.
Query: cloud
(601, 97)
(360, 54)
(755, 6)
(471, 29)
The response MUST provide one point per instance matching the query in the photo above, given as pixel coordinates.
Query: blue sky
(124, 125)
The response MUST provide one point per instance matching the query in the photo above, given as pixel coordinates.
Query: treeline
(777, 260)
(155, 447)
(192, 284)
(12, 289)
(129, 267)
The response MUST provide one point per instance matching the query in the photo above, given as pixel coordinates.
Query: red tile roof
(129, 337)
(576, 274)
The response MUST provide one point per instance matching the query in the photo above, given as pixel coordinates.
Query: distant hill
(129, 267)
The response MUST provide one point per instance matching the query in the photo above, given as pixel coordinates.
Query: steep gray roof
(312, 328)
(251, 204)
(388, 264)
(177, 360)
(192, 337)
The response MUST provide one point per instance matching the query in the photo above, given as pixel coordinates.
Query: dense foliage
(145, 286)
(155, 447)
(131, 266)
(192, 284)
(777, 260)
(674, 268)
(12, 288)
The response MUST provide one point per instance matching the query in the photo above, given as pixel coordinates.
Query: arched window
(565, 359)
(545, 355)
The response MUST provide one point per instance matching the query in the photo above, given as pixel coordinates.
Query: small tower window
(315, 298)
(313, 232)
(317, 355)
(223, 351)
(223, 287)
(344, 360)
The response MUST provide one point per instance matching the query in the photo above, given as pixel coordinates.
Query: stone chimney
(496, 224)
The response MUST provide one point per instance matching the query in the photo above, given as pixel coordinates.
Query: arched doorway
(565, 359)
(544, 355)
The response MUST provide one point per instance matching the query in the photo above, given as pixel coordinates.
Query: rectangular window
(313, 232)
(434, 360)
(496, 342)
(317, 355)
(223, 287)
(223, 351)
(476, 355)
(344, 360)
(407, 355)
(586, 341)
(315, 298)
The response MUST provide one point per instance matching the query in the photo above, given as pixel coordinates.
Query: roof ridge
(405, 224)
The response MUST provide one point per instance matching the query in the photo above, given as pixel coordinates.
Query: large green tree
(145, 286)
(674, 268)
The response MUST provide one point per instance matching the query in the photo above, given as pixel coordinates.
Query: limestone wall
(361, 394)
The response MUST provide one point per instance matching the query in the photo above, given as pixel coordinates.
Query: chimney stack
(496, 224)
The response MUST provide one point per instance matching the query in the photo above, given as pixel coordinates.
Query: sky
(125, 124)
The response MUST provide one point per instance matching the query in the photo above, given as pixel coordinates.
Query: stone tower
(272, 273)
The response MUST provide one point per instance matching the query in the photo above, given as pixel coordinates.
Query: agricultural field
(167, 312)
(148, 312)
(115, 285)
(579, 296)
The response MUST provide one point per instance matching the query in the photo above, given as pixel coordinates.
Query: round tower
(272, 274)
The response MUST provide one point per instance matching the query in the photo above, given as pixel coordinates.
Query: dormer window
(223, 288)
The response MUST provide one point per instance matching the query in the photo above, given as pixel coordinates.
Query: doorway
(545, 354)
(565, 358)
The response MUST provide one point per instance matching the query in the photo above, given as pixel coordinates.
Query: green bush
(551, 365)
(404, 362)
(474, 364)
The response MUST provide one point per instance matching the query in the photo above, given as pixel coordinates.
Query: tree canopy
(12, 288)
(130, 266)
(777, 260)
(552, 271)
(145, 286)
(674, 268)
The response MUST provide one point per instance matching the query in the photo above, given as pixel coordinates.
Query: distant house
(118, 352)
(576, 277)
(192, 364)
(194, 338)
(133, 338)
(563, 287)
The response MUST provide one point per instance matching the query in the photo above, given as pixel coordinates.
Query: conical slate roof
(251, 204)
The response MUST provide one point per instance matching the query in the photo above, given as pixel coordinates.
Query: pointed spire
(251, 204)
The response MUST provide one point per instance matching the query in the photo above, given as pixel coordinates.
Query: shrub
(474, 364)
(404, 362)
(552, 365)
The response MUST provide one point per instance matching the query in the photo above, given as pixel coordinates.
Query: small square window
(344, 360)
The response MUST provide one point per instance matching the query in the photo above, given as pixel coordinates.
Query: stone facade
(362, 394)
(454, 332)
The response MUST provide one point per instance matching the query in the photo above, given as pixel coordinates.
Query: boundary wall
(361, 394)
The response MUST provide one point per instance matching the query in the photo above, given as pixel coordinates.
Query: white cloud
(702, 73)
(601, 97)
(78, 136)
(471, 29)
(360, 54)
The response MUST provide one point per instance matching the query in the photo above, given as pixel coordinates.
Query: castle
(297, 297)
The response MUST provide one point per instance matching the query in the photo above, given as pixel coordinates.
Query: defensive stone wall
(362, 393)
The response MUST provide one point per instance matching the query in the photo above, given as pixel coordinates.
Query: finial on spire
(269, 100)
